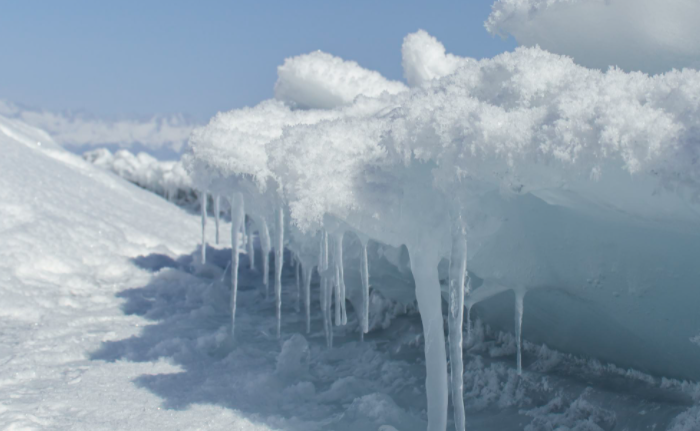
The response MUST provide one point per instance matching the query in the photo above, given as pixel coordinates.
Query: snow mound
(321, 81)
(73, 237)
(424, 59)
(652, 36)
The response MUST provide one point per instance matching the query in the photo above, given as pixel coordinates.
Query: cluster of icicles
(328, 262)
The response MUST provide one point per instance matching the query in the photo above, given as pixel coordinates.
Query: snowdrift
(568, 196)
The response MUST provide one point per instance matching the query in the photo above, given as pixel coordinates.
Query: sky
(146, 57)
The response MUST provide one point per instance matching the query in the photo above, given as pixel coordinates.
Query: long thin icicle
(307, 270)
(279, 256)
(340, 279)
(325, 289)
(237, 221)
(217, 199)
(424, 263)
(469, 324)
(519, 298)
(364, 272)
(455, 318)
(203, 211)
(251, 245)
(265, 247)
(336, 282)
(297, 269)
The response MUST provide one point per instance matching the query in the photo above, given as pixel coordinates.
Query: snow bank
(575, 190)
(653, 36)
(71, 234)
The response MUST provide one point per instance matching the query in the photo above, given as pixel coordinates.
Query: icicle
(326, 292)
(279, 256)
(298, 277)
(424, 264)
(216, 216)
(519, 297)
(237, 221)
(469, 323)
(307, 270)
(336, 282)
(364, 270)
(203, 210)
(329, 296)
(458, 271)
(340, 280)
(265, 246)
(251, 245)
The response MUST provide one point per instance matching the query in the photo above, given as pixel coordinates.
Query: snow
(576, 191)
(424, 59)
(166, 178)
(652, 36)
(572, 184)
(320, 81)
(108, 322)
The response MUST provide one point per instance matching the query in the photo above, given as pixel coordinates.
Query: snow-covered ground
(512, 240)
(109, 322)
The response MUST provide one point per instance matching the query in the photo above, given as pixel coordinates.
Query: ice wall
(576, 190)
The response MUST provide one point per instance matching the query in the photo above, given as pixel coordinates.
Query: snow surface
(653, 36)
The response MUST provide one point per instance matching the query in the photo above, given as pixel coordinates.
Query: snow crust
(565, 179)
(652, 36)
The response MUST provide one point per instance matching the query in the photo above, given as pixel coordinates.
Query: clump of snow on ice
(346, 389)
(580, 414)
(689, 420)
(378, 407)
(423, 59)
(293, 360)
(322, 81)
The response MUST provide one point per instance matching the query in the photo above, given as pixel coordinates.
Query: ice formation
(572, 185)
(237, 222)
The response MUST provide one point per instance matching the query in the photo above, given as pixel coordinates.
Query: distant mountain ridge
(163, 136)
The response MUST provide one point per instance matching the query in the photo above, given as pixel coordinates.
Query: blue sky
(199, 57)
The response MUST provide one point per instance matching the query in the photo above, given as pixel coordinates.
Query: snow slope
(70, 233)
